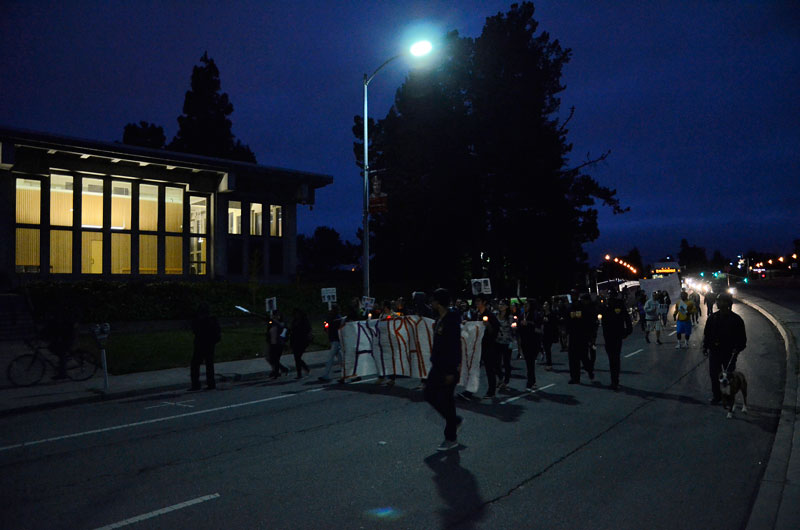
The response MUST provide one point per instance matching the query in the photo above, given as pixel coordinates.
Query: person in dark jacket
(332, 325)
(299, 339)
(445, 366)
(489, 354)
(206, 336)
(581, 325)
(275, 329)
(724, 338)
(530, 330)
(616, 326)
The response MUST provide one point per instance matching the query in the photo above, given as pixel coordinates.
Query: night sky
(698, 101)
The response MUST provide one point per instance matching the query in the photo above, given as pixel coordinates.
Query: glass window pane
(29, 201)
(148, 207)
(198, 214)
(120, 253)
(174, 255)
(148, 254)
(121, 205)
(60, 252)
(256, 215)
(234, 217)
(91, 252)
(197, 255)
(275, 221)
(174, 209)
(92, 207)
(27, 251)
(61, 187)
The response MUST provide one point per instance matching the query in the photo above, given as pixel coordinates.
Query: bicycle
(29, 368)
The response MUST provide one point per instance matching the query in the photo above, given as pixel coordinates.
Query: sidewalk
(776, 504)
(51, 394)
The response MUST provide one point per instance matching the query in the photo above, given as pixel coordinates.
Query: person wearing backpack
(206, 336)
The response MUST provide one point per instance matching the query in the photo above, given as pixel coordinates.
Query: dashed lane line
(162, 511)
(631, 354)
(509, 400)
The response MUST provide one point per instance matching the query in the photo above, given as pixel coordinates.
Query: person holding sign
(445, 367)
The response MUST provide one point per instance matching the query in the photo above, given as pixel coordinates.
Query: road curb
(776, 502)
(97, 395)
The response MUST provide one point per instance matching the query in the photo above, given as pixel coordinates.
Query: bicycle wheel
(25, 370)
(81, 365)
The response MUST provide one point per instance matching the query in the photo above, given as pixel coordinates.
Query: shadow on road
(458, 489)
(505, 413)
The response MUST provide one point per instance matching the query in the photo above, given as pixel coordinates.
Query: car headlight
(731, 290)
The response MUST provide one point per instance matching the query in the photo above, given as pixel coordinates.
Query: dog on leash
(730, 384)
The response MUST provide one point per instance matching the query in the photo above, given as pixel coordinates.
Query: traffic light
(702, 274)
(747, 280)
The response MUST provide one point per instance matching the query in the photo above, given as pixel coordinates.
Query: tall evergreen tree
(474, 160)
(204, 127)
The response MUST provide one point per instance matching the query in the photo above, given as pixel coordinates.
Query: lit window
(60, 251)
(121, 205)
(29, 201)
(275, 221)
(174, 209)
(173, 263)
(61, 197)
(148, 207)
(92, 207)
(27, 249)
(197, 255)
(148, 254)
(91, 252)
(234, 217)
(120, 253)
(198, 215)
(256, 216)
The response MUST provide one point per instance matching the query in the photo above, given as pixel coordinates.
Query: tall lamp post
(418, 49)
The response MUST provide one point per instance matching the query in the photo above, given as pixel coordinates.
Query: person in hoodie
(617, 325)
(445, 366)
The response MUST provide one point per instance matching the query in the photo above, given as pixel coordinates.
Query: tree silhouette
(692, 258)
(474, 161)
(324, 251)
(144, 135)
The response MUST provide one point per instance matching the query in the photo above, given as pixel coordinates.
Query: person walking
(652, 318)
(299, 339)
(550, 334)
(334, 322)
(616, 325)
(275, 332)
(530, 331)
(663, 307)
(710, 299)
(695, 298)
(503, 342)
(579, 327)
(206, 336)
(488, 349)
(684, 309)
(724, 339)
(445, 367)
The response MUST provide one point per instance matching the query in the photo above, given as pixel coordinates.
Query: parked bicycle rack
(101, 332)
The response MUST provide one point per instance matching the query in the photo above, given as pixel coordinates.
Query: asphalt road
(300, 455)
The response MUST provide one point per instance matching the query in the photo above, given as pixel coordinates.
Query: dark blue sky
(697, 101)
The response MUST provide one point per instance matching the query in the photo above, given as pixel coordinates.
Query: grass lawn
(156, 350)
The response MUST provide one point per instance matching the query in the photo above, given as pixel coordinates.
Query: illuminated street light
(608, 257)
(418, 49)
(780, 259)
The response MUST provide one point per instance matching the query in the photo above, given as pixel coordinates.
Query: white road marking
(631, 354)
(509, 400)
(162, 511)
(674, 332)
(364, 381)
(145, 422)
(168, 403)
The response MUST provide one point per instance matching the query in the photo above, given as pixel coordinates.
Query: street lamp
(418, 49)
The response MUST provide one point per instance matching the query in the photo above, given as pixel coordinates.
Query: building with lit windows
(74, 208)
